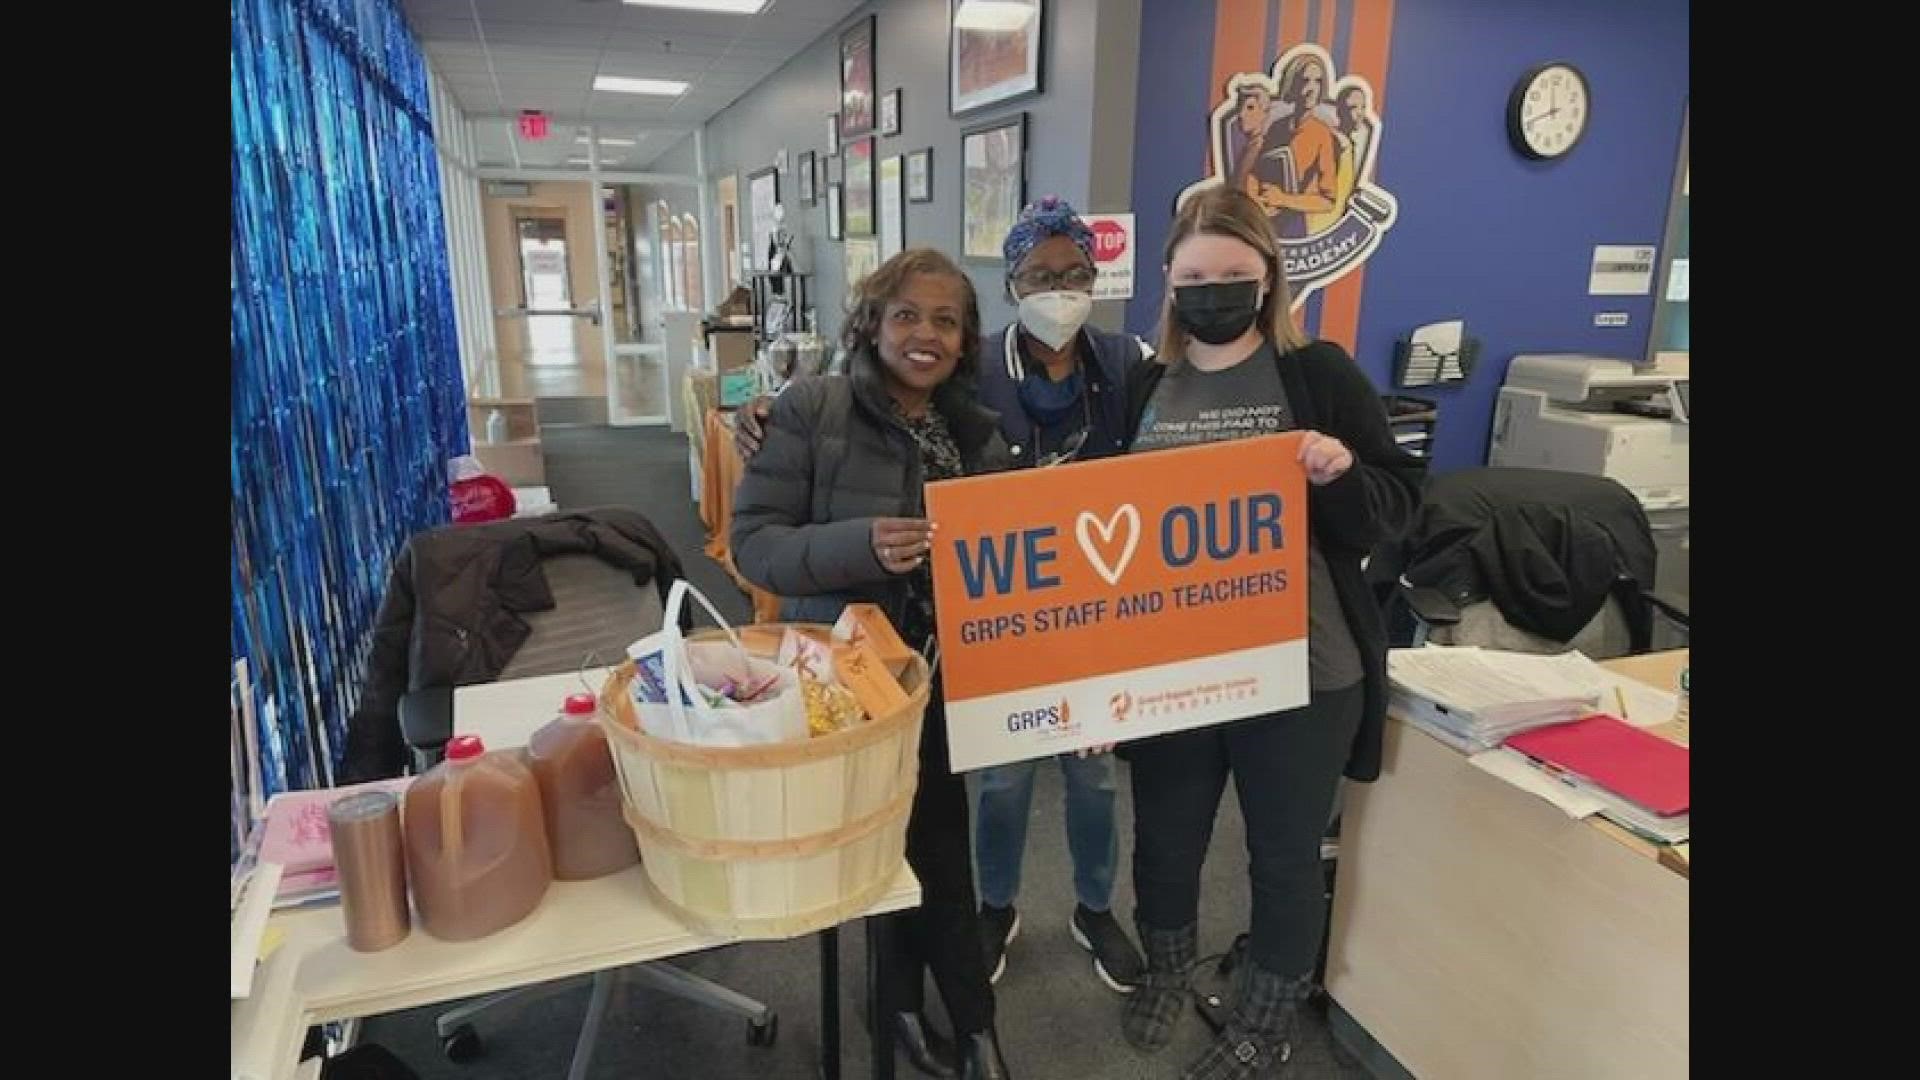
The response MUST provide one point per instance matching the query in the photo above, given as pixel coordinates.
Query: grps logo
(1051, 720)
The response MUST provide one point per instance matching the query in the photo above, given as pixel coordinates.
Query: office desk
(579, 928)
(1479, 933)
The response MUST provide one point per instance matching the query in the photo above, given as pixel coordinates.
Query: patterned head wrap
(1049, 216)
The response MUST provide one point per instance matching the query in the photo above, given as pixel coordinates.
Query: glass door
(545, 278)
(637, 384)
(653, 246)
(586, 279)
(546, 290)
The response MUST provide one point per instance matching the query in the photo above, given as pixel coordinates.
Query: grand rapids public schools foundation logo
(1305, 145)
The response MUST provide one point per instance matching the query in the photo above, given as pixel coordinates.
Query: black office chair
(597, 612)
(1526, 560)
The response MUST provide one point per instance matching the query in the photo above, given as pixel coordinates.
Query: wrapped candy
(830, 708)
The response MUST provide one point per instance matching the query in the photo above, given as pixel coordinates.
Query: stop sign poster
(1110, 600)
(1112, 255)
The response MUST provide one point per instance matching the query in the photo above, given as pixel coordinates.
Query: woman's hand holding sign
(901, 543)
(1325, 458)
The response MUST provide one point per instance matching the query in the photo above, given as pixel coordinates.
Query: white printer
(1590, 414)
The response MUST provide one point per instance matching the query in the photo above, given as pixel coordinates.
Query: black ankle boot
(980, 1057)
(928, 1050)
(1257, 1042)
(1148, 1018)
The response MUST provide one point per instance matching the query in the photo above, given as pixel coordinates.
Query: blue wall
(1482, 234)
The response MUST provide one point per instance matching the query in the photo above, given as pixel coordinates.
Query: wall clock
(1548, 111)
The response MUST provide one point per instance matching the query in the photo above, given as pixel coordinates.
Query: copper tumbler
(372, 865)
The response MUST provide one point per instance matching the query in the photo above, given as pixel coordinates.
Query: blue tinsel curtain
(346, 396)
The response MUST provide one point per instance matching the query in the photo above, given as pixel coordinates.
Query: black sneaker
(998, 927)
(1115, 959)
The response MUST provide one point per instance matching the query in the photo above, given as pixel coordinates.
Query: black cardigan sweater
(1371, 502)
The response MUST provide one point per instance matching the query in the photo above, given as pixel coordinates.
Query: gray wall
(677, 159)
(1082, 121)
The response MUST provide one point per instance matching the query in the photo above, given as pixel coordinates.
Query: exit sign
(533, 125)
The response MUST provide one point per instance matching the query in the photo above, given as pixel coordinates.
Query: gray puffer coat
(833, 459)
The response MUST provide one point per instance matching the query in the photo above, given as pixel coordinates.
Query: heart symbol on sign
(1127, 514)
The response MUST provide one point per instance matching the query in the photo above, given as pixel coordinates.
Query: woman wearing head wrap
(1057, 384)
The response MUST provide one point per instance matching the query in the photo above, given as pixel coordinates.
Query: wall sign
(1305, 141)
(1112, 255)
(1621, 270)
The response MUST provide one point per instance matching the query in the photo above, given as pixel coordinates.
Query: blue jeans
(1000, 828)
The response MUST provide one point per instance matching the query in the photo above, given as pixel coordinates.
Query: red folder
(1617, 756)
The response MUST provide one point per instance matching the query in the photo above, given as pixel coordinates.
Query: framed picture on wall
(890, 112)
(836, 226)
(993, 181)
(857, 172)
(856, 79)
(807, 178)
(994, 53)
(763, 196)
(863, 258)
(920, 175)
(893, 208)
(833, 134)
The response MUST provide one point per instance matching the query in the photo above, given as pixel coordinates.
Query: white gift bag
(669, 671)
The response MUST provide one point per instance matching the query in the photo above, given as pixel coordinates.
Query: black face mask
(1219, 312)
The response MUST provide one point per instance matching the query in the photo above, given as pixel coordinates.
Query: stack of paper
(247, 926)
(1473, 698)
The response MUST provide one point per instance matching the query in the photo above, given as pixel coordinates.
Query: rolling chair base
(461, 1043)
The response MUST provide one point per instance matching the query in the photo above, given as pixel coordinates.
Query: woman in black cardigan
(1232, 365)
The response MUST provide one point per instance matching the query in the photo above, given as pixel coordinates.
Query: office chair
(597, 612)
(1526, 560)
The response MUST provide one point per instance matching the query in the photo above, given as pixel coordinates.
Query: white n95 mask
(1054, 317)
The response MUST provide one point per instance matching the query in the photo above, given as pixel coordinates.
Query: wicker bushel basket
(776, 840)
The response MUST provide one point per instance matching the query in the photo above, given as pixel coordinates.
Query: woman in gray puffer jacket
(831, 511)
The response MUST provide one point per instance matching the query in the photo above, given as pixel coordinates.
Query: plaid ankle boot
(1161, 994)
(1258, 1038)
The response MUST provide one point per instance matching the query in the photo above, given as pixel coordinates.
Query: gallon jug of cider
(580, 794)
(476, 839)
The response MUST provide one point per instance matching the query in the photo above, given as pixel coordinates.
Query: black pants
(1286, 768)
(943, 933)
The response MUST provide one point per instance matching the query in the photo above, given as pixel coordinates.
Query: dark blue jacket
(1113, 357)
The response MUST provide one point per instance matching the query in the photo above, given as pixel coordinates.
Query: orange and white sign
(1110, 600)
